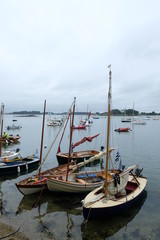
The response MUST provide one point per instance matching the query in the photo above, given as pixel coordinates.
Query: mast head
(109, 66)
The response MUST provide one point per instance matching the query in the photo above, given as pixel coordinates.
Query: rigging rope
(55, 137)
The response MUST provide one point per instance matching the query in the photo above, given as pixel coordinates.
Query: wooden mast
(1, 123)
(70, 143)
(42, 136)
(108, 124)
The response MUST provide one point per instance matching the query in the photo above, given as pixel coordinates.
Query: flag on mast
(117, 158)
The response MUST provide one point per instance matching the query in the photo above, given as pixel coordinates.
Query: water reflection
(16, 175)
(104, 228)
(59, 214)
(54, 215)
(55, 203)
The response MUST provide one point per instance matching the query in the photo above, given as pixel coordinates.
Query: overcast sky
(60, 49)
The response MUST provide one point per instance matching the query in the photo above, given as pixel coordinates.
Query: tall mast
(42, 136)
(108, 124)
(1, 123)
(70, 143)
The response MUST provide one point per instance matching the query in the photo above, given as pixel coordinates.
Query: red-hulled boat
(126, 129)
(80, 127)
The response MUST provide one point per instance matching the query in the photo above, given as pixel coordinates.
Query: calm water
(59, 216)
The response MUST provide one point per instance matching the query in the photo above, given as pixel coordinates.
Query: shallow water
(59, 216)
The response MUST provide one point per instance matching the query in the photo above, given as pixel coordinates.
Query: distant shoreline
(28, 115)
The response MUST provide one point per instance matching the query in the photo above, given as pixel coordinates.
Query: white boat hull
(30, 189)
(10, 155)
(71, 187)
(75, 185)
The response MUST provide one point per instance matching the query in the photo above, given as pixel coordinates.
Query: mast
(70, 143)
(108, 124)
(1, 123)
(59, 149)
(42, 136)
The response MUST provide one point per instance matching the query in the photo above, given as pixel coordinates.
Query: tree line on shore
(115, 112)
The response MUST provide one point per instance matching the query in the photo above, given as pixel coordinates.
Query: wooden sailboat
(76, 183)
(78, 156)
(113, 196)
(38, 182)
(25, 186)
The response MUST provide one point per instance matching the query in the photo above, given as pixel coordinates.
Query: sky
(60, 49)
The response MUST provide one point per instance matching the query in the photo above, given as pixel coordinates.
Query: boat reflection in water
(55, 203)
(61, 215)
(54, 216)
(104, 228)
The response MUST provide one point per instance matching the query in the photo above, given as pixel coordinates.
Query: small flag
(117, 158)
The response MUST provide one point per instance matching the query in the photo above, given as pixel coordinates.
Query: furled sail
(89, 139)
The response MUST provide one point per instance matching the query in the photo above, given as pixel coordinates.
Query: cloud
(56, 50)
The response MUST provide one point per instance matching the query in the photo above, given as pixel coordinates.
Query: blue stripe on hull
(90, 213)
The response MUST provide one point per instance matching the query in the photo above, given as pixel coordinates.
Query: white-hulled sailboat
(83, 181)
(76, 182)
(113, 196)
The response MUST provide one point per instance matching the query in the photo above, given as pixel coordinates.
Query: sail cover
(89, 139)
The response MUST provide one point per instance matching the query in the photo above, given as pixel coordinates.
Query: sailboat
(78, 156)
(11, 161)
(10, 154)
(125, 118)
(74, 182)
(27, 186)
(114, 196)
(87, 122)
(38, 182)
(78, 182)
(137, 121)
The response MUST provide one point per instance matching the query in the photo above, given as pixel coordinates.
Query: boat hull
(71, 187)
(80, 156)
(34, 185)
(103, 209)
(27, 190)
(10, 155)
(122, 129)
(19, 166)
(81, 127)
(85, 182)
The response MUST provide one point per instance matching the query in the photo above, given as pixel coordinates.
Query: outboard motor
(138, 172)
